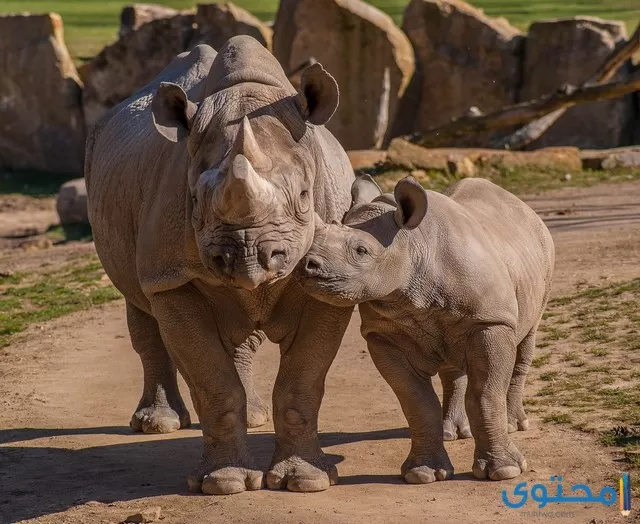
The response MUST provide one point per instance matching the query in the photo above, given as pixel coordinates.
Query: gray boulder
(136, 15)
(72, 203)
(569, 51)
(369, 56)
(463, 59)
(131, 62)
(151, 36)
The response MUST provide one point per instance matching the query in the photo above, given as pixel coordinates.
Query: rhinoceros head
(372, 254)
(253, 161)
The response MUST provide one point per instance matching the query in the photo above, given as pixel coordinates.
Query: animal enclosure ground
(92, 24)
(67, 388)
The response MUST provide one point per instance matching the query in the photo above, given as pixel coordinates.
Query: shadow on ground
(36, 481)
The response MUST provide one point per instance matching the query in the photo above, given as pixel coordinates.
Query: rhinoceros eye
(361, 250)
(304, 195)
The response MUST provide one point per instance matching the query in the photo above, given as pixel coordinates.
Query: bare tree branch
(534, 130)
(525, 112)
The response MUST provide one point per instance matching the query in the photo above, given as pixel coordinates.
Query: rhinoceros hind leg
(258, 412)
(454, 385)
(161, 408)
(491, 360)
(517, 417)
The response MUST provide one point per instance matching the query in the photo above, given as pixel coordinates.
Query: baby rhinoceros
(451, 281)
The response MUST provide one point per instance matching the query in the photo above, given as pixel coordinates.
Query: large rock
(216, 23)
(132, 62)
(368, 55)
(41, 123)
(569, 51)
(72, 203)
(135, 16)
(463, 59)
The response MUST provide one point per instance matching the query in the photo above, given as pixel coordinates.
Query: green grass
(91, 24)
(26, 299)
(590, 372)
(557, 418)
(520, 181)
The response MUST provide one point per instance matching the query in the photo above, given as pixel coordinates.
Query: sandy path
(67, 392)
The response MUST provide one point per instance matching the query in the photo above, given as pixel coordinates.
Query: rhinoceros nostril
(229, 259)
(224, 260)
(272, 259)
(313, 265)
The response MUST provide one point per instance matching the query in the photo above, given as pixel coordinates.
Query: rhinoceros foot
(163, 419)
(456, 426)
(518, 420)
(303, 475)
(427, 469)
(225, 481)
(258, 413)
(499, 465)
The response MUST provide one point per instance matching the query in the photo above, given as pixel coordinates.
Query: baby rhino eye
(362, 250)
(304, 194)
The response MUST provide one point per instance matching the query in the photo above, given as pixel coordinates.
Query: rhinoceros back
(128, 163)
(520, 239)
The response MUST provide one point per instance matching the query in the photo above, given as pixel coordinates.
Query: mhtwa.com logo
(580, 493)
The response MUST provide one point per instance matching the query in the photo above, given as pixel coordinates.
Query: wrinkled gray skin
(452, 283)
(202, 189)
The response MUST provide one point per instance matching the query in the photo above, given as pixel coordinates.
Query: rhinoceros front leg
(258, 413)
(490, 361)
(298, 463)
(192, 338)
(428, 460)
(161, 408)
(454, 386)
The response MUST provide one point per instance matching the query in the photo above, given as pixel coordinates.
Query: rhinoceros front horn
(243, 191)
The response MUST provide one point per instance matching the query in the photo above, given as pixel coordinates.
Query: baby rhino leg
(517, 417)
(428, 460)
(454, 386)
(490, 361)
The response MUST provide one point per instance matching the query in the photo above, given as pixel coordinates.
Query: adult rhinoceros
(202, 192)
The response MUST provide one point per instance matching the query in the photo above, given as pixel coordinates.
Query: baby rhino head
(370, 255)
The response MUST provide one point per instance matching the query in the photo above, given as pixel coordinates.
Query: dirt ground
(67, 390)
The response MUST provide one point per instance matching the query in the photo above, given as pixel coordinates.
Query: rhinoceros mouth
(247, 273)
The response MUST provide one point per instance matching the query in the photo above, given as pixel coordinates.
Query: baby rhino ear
(364, 190)
(412, 203)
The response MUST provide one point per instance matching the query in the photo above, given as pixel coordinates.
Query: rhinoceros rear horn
(319, 96)
(247, 145)
(172, 112)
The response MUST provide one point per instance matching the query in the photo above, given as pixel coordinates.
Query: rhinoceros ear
(319, 96)
(412, 203)
(364, 189)
(172, 112)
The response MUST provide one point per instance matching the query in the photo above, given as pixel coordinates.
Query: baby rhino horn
(247, 145)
